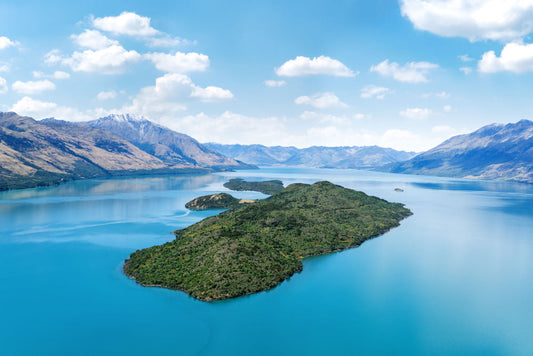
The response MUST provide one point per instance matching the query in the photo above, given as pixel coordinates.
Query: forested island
(266, 187)
(255, 247)
(216, 201)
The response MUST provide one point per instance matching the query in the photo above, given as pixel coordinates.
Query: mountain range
(496, 151)
(315, 156)
(39, 153)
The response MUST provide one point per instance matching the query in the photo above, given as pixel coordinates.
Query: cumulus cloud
(179, 62)
(53, 57)
(93, 39)
(372, 91)
(56, 75)
(3, 86)
(127, 23)
(466, 70)
(440, 95)
(165, 40)
(472, 19)
(6, 42)
(171, 94)
(275, 83)
(4, 67)
(465, 58)
(110, 60)
(416, 113)
(303, 66)
(211, 94)
(106, 95)
(33, 87)
(515, 57)
(321, 101)
(41, 109)
(412, 72)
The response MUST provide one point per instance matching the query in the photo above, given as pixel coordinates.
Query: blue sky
(404, 74)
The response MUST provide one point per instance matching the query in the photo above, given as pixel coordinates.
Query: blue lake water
(454, 278)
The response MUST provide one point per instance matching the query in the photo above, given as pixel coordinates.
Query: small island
(266, 187)
(399, 190)
(216, 201)
(255, 247)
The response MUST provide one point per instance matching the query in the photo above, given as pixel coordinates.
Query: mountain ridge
(314, 156)
(495, 151)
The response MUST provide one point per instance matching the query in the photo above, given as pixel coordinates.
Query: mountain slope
(34, 153)
(492, 152)
(169, 146)
(316, 156)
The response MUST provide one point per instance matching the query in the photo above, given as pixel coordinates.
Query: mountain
(40, 153)
(316, 156)
(493, 152)
(169, 146)
(34, 153)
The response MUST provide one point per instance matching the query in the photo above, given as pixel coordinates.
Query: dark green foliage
(255, 247)
(266, 187)
(214, 201)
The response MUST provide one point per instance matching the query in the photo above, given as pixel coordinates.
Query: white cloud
(447, 108)
(4, 67)
(3, 86)
(179, 62)
(302, 66)
(106, 95)
(321, 101)
(412, 72)
(416, 113)
(230, 127)
(127, 23)
(472, 19)
(93, 39)
(466, 70)
(165, 40)
(53, 57)
(56, 75)
(211, 94)
(275, 83)
(110, 60)
(440, 95)
(171, 94)
(33, 87)
(41, 109)
(372, 91)
(515, 57)
(465, 58)
(6, 42)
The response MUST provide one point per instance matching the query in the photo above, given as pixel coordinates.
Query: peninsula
(255, 247)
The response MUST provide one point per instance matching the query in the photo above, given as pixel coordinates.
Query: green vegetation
(266, 187)
(214, 201)
(255, 247)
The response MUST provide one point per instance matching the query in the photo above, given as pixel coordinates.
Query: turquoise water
(454, 278)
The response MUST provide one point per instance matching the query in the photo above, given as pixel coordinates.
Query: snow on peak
(125, 117)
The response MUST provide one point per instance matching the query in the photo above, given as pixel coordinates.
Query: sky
(404, 74)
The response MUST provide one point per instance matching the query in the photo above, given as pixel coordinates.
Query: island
(400, 190)
(216, 201)
(255, 247)
(266, 187)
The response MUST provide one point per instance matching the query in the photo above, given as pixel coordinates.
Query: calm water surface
(454, 278)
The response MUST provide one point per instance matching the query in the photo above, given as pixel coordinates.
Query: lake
(454, 278)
